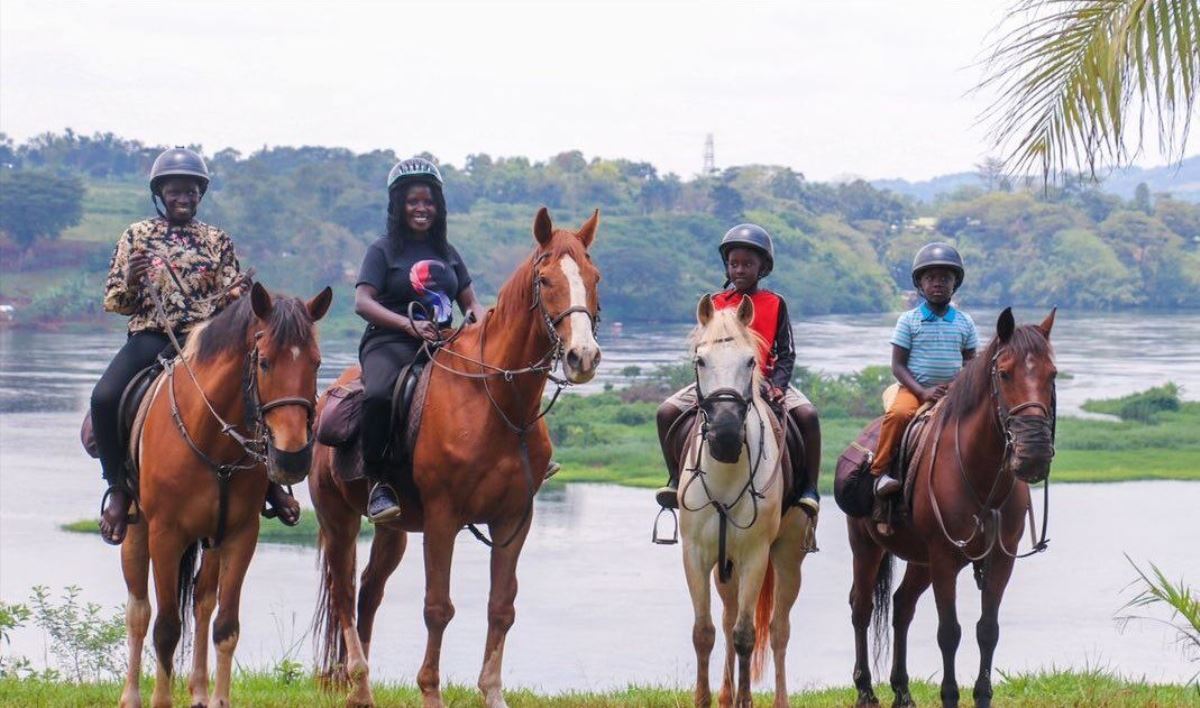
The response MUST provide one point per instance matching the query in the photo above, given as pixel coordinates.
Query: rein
(256, 448)
(543, 366)
(989, 526)
(746, 402)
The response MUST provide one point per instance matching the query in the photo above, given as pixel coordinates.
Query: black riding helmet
(749, 236)
(414, 169)
(176, 162)
(938, 255)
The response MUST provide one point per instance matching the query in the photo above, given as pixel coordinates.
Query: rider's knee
(666, 416)
(806, 417)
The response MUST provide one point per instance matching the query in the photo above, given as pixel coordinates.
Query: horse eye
(750, 363)
(1005, 375)
(699, 361)
(262, 364)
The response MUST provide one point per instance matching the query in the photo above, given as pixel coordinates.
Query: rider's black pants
(381, 365)
(140, 350)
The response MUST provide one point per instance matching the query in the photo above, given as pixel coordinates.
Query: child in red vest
(749, 256)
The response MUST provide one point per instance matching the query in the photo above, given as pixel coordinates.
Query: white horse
(731, 493)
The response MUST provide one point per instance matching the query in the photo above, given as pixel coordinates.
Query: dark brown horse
(989, 438)
(237, 404)
(478, 459)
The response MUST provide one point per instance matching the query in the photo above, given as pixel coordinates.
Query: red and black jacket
(771, 322)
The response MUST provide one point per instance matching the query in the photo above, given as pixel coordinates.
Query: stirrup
(662, 540)
(387, 517)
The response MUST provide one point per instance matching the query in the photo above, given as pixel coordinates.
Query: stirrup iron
(662, 540)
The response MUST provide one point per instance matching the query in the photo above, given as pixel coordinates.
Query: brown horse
(199, 477)
(990, 438)
(478, 458)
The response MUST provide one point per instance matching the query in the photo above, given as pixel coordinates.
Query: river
(599, 606)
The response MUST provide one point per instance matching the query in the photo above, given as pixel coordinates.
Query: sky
(830, 89)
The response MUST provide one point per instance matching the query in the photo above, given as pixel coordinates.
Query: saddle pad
(135, 431)
(853, 485)
(347, 457)
(340, 417)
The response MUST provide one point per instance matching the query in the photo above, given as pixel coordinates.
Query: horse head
(281, 378)
(565, 289)
(1023, 374)
(725, 358)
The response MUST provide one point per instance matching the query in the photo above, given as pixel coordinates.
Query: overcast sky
(876, 89)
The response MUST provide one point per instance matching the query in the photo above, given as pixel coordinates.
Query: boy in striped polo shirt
(929, 345)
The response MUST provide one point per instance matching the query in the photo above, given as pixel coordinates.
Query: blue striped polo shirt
(935, 344)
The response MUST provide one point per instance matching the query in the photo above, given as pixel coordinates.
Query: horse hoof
(866, 699)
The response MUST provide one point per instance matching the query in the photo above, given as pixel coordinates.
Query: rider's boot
(382, 505)
(552, 469)
(668, 496)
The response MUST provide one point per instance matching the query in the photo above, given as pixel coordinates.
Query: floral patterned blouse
(200, 255)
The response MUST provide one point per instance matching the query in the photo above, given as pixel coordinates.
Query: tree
(1141, 199)
(727, 203)
(36, 204)
(1078, 80)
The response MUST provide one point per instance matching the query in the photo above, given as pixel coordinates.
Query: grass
(109, 207)
(1053, 688)
(271, 531)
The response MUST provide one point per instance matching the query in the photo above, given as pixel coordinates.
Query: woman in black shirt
(414, 262)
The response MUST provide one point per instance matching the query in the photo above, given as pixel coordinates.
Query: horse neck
(981, 445)
(221, 383)
(514, 337)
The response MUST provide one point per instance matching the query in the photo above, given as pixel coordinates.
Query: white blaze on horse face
(295, 353)
(582, 340)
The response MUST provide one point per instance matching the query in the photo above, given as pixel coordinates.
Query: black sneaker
(382, 505)
(810, 502)
(668, 496)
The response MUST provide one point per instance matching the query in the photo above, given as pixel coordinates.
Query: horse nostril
(573, 359)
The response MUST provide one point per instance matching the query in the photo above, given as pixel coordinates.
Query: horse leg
(135, 565)
(904, 606)
(166, 552)
(339, 648)
(945, 576)
(787, 553)
(501, 612)
(729, 594)
(236, 552)
(749, 585)
(386, 550)
(867, 559)
(205, 602)
(696, 569)
(987, 631)
(441, 526)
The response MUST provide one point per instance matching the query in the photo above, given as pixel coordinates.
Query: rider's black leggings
(140, 350)
(381, 364)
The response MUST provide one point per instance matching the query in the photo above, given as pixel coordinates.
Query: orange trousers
(894, 422)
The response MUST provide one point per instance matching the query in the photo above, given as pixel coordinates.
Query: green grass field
(1043, 690)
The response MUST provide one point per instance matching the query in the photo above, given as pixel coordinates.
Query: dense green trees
(303, 217)
(37, 204)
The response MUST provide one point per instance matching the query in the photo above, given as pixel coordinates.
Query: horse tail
(185, 597)
(329, 646)
(880, 616)
(762, 622)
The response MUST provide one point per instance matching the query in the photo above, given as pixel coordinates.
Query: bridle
(258, 448)
(743, 400)
(987, 522)
(545, 366)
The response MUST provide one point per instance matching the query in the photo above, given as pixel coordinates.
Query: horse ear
(542, 228)
(319, 305)
(260, 301)
(1005, 325)
(1048, 323)
(587, 232)
(745, 311)
(704, 311)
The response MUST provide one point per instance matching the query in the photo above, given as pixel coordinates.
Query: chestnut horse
(479, 458)
(255, 364)
(990, 437)
(731, 517)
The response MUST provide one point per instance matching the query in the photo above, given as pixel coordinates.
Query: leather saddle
(130, 414)
(340, 420)
(853, 484)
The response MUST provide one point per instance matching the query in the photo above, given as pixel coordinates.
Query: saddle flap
(338, 423)
(127, 410)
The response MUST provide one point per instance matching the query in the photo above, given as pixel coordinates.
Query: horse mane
(725, 326)
(288, 325)
(973, 384)
(516, 294)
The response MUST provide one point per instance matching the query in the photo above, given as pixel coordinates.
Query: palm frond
(1077, 81)
(1157, 589)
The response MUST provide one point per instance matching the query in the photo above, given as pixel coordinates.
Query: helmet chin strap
(155, 198)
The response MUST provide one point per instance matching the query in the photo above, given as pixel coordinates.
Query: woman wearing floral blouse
(194, 269)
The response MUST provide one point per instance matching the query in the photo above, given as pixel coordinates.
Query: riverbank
(1040, 690)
